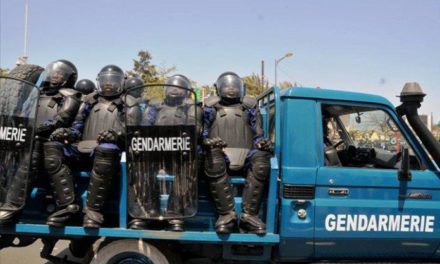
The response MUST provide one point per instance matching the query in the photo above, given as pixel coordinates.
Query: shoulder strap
(69, 92)
(91, 98)
(212, 100)
(249, 102)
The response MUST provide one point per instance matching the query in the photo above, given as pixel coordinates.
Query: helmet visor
(171, 91)
(110, 84)
(57, 73)
(230, 86)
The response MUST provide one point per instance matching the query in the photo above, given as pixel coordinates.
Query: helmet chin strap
(230, 101)
(173, 101)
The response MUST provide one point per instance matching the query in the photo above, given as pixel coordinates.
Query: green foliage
(150, 73)
(284, 85)
(254, 84)
(4, 72)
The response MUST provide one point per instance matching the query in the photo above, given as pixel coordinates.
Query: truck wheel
(126, 251)
(14, 96)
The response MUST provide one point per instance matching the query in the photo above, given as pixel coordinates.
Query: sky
(365, 46)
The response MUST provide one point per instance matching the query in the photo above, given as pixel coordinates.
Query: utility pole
(262, 75)
(23, 58)
(288, 54)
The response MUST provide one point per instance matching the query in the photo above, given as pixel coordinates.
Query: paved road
(31, 254)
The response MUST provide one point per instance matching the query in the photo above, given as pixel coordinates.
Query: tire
(129, 251)
(13, 97)
(27, 72)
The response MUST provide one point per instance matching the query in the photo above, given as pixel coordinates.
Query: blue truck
(336, 192)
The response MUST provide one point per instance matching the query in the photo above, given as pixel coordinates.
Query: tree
(4, 72)
(150, 73)
(284, 85)
(254, 85)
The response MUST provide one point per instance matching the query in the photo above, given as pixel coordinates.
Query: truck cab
(341, 196)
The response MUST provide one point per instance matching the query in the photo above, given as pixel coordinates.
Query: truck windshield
(364, 136)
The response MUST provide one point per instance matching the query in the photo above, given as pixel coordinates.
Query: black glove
(108, 136)
(64, 135)
(45, 129)
(265, 145)
(211, 143)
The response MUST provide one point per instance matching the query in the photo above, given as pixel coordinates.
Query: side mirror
(404, 174)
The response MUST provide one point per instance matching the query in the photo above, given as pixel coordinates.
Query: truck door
(362, 209)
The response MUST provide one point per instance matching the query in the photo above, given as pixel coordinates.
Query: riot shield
(161, 153)
(17, 123)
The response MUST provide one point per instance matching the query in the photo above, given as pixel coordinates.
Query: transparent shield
(18, 104)
(161, 153)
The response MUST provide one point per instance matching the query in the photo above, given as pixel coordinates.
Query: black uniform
(57, 108)
(234, 144)
(100, 127)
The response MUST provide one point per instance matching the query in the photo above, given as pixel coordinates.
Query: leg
(221, 190)
(105, 167)
(143, 195)
(62, 184)
(20, 185)
(253, 193)
(175, 205)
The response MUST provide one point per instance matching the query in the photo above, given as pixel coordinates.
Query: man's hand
(63, 135)
(265, 145)
(45, 129)
(108, 136)
(211, 143)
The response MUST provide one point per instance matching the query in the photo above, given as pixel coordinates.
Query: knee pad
(260, 165)
(215, 165)
(53, 157)
(106, 160)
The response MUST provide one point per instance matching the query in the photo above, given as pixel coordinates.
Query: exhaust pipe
(411, 98)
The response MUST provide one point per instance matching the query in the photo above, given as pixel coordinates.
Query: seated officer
(100, 127)
(176, 109)
(234, 144)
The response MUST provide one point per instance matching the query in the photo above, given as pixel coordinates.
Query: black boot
(221, 190)
(15, 197)
(176, 225)
(252, 195)
(253, 192)
(139, 224)
(62, 185)
(105, 167)
(175, 208)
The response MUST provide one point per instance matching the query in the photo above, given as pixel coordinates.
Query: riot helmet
(60, 74)
(229, 85)
(85, 86)
(134, 81)
(110, 81)
(175, 94)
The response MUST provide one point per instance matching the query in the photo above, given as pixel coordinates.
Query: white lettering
(330, 222)
(381, 223)
(429, 226)
(415, 222)
(13, 134)
(363, 223)
(352, 222)
(404, 224)
(394, 223)
(372, 224)
(154, 144)
(340, 226)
